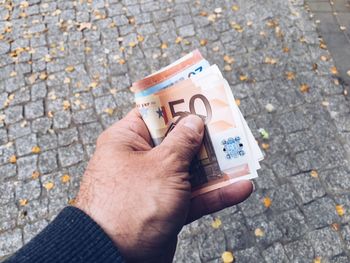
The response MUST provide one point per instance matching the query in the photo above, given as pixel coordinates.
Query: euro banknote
(229, 152)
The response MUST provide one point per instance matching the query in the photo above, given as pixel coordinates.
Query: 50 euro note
(227, 154)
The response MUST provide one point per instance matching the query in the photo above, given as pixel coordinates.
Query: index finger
(134, 123)
(219, 199)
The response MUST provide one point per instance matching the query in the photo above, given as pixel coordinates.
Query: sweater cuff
(71, 237)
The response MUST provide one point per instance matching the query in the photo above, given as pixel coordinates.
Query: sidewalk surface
(65, 69)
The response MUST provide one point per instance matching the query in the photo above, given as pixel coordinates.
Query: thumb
(183, 142)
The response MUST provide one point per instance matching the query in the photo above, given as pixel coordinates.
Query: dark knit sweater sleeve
(71, 237)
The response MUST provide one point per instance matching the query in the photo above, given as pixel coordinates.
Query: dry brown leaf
(290, 75)
(304, 88)
(72, 201)
(335, 226)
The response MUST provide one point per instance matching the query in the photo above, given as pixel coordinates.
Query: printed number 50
(192, 109)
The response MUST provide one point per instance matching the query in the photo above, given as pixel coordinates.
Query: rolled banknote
(229, 153)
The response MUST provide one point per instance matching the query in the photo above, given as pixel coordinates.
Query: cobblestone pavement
(333, 19)
(65, 71)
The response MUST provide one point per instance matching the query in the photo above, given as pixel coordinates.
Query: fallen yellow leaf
(13, 74)
(178, 40)
(290, 75)
(109, 111)
(164, 46)
(35, 175)
(243, 77)
(93, 84)
(48, 185)
(65, 178)
(235, 8)
(23, 202)
(238, 102)
(317, 260)
(271, 61)
(36, 149)
(324, 58)
(259, 232)
(121, 61)
(140, 38)
(66, 105)
(314, 173)
(334, 70)
(227, 68)
(132, 44)
(227, 257)
(216, 223)
(13, 159)
(265, 146)
(228, 59)
(237, 27)
(340, 210)
(267, 202)
(70, 69)
(203, 42)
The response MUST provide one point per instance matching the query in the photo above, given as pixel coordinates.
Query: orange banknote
(228, 153)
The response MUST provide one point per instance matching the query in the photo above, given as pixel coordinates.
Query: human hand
(141, 196)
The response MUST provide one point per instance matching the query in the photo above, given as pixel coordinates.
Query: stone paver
(65, 69)
(333, 18)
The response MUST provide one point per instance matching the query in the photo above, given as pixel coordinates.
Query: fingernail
(254, 187)
(194, 122)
